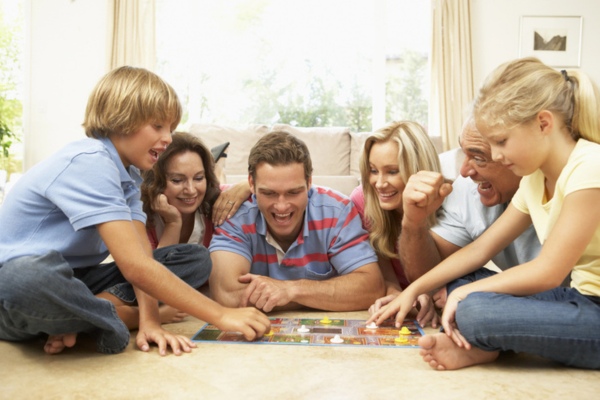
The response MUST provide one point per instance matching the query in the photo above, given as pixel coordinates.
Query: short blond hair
(126, 99)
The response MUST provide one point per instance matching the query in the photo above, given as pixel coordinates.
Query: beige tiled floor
(219, 371)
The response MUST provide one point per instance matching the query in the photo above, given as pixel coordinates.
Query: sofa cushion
(357, 142)
(241, 141)
(329, 147)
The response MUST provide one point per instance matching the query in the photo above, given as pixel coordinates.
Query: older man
(468, 207)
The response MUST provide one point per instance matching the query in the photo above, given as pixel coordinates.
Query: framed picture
(556, 41)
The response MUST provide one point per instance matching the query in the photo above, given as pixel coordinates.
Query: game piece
(404, 331)
(352, 332)
(401, 340)
(372, 325)
(325, 320)
(337, 339)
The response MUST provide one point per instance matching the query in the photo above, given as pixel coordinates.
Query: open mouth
(154, 155)
(282, 218)
(386, 196)
(189, 201)
(484, 186)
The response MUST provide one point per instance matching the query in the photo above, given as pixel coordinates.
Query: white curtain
(451, 69)
(133, 35)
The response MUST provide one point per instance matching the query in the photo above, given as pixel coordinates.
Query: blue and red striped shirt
(332, 241)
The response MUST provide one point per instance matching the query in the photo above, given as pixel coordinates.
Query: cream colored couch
(335, 151)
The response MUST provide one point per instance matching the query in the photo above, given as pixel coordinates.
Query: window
(11, 92)
(354, 63)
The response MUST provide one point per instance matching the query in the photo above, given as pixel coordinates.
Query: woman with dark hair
(179, 193)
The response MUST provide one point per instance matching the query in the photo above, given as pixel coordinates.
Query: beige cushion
(344, 184)
(329, 147)
(241, 141)
(357, 142)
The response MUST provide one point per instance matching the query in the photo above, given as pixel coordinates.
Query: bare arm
(418, 250)
(468, 259)
(172, 219)
(353, 291)
(389, 276)
(148, 306)
(142, 271)
(564, 247)
(224, 282)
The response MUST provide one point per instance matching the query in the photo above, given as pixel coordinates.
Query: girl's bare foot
(441, 353)
(170, 315)
(57, 343)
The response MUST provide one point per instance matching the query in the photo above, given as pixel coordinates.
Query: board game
(323, 332)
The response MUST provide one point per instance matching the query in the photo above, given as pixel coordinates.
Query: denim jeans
(560, 324)
(44, 295)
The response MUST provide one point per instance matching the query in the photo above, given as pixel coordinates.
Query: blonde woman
(390, 156)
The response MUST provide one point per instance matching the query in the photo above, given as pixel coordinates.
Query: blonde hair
(515, 92)
(416, 152)
(126, 99)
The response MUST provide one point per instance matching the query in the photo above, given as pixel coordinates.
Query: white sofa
(335, 151)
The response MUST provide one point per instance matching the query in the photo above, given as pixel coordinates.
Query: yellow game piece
(401, 339)
(325, 320)
(270, 333)
(404, 331)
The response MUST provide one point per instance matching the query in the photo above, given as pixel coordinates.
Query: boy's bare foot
(441, 353)
(130, 315)
(57, 343)
(170, 315)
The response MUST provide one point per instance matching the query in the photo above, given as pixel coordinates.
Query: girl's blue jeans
(560, 324)
(44, 295)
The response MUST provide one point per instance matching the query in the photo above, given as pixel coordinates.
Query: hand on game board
(427, 311)
(249, 321)
(382, 302)
(401, 305)
(264, 293)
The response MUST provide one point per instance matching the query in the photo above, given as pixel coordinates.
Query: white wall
(496, 27)
(68, 55)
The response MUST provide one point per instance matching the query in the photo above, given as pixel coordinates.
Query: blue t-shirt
(57, 204)
(332, 240)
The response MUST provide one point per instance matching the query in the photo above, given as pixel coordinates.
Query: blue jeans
(44, 295)
(560, 324)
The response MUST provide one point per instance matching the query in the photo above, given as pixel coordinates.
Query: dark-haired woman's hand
(229, 202)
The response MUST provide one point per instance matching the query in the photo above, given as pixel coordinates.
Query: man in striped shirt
(292, 245)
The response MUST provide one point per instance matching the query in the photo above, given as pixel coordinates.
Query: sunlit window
(11, 93)
(354, 63)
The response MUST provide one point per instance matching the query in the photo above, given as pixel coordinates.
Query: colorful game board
(323, 332)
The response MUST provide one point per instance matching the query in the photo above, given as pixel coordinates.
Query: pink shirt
(358, 198)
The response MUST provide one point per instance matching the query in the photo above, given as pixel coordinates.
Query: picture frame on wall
(555, 40)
